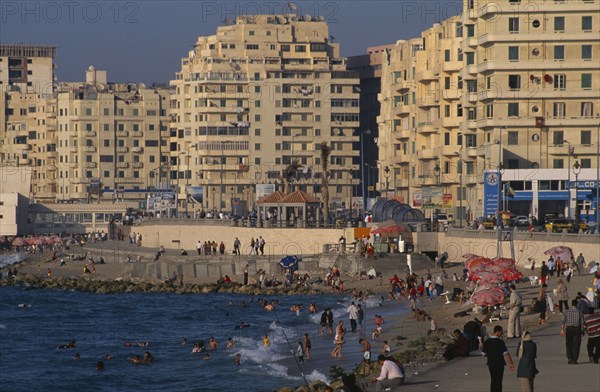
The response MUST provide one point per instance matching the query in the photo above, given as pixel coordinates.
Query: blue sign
(491, 185)
(522, 195)
(582, 184)
(553, 195)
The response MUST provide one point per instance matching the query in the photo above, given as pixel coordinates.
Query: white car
(442, 219)
(522, 220)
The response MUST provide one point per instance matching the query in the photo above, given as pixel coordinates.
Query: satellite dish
(320, 18)
(307, 18)
(294, 19)
(292, 6)
(228, 22)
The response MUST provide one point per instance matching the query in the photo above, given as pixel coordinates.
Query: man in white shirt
(391, 374)
(353, 316)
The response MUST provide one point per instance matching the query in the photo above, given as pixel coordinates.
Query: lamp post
(576, 171)
(368, 181)
(362, 167)
(387, 180)
(188, 172)
(568, 180)
(221, 172)
(460, 191)
(292, 161)
(213, 197)
(233, 196)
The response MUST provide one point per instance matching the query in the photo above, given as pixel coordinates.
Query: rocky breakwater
(117, 286)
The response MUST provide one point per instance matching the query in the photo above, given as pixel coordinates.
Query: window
(558, 138)
(586, 137)
(300, 48)
(447, 55)
(514, 82)
(471, 140)
(513, 109)
(106, 143)
(558, 164)
(106, 112)
(257, 117)
(489, 110)
(586, 81)
(560, 81)
(587, 109)
(447, 139)
(559, 109)
(559, 52)
(586, 52)
(446, 110)
(513, 138)
(559, 24)
(470, 58)
(447, 82)
(251, 46)
(586, 23)
(257, 132)
(470, 30)
(257, 146)
(513, 25)
(586, 163)
(513, 53)
(285, 48)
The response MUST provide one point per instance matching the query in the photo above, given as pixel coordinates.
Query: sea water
(34, 322)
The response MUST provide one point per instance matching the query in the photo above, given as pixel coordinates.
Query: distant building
(27, 68)
(262, 93)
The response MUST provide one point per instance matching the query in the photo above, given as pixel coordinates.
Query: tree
(289, 174)
(325, 153)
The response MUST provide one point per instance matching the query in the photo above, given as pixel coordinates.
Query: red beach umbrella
(504, 262)
(489, 278)
(477, 261)
(31, 240)
(564, 252)
(511, 274)
(19, 241)
(488, 296)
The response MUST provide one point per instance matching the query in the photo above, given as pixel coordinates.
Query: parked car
(442, 219)
(522, 220)
(558, 225)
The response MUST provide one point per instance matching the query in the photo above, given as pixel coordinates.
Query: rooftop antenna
(293, 7)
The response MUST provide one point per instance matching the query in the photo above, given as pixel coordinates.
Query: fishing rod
(291, 349)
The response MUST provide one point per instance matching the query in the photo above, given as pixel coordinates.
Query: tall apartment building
(262, 93)
(368, 67)
(27, 68)
(111, 139)
(507, 84)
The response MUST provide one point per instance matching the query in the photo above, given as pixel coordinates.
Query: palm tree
(325, 153)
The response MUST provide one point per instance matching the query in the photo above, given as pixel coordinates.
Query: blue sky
(145, 40)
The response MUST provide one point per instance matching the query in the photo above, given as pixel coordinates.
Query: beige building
(111, 139)
(27, 68)
(261, 93)
(15, 185)
(498, 72)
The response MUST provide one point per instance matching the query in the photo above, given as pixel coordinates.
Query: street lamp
(188, 173)
(387, 180)
(221, 172)
(362, 167)
(460, 190)
(233, 196)
(368, 181)
(292, 161)
(436, 169)
(213, 197)
(570, 151)
(576, 171)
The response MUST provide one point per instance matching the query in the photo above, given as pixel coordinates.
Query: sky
(144, 41)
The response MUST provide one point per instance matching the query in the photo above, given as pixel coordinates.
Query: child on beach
(377, 332)
(300, 352)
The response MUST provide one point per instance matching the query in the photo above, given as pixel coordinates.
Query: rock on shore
(130, 286)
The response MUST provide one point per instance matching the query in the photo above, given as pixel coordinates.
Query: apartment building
(27, 68)
(111, 140)
(507, 84)
(263, 92)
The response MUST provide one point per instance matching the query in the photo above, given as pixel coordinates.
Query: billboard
(263, 190)
(433, 197)
(161, 202)
(447, 200)
(491, 186)
(195, 194)
(417, 200)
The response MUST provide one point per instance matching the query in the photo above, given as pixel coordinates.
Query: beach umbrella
(488, 278)
(19, 241)
(511, 274)
(48, 241)
(478, 260)
(488, 296)
(504, 262)
(564, 252)
(289, 262)
(31, 240)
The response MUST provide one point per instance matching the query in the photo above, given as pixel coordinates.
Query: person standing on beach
(514, 315)
(330, 321)
(580, 262)
(495, 351)
(572, 328)
(338, 341)
(236, 246)
(300, 352)
(366, 349)
(307, 346)
(562, 294)
(360, 313)
(592, 327)
(324, 321)
(353, 316)
(545, 272)
(526, 370)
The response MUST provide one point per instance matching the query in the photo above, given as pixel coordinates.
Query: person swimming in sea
(229, 343)
(137, 360)
(100, 366)
(148, 358)
(242, 325)
(198, 347)
(212, 343)
(183, 341)
(238, 359)
(142, 344)
(266, 341)
(206, 357)
(71, 344)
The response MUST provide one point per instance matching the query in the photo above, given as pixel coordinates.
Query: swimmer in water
(108, 357)
(269, 307)
(266, 341)
(135, 360)
(230, 343)
(238, 359)
(183, 341)
(148, 358)
(77, 357)
(206, 357)
(142, 344)
(198, 347)
(242, 325)
(212, 343)
(99, 365)
(71, 344)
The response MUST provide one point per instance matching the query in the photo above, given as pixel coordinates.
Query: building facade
(506, 85)
(256, 97)
(27, 68)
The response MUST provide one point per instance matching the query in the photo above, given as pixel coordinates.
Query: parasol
(488, 296)
(477, 261)
(19, 241)
(564, 252)
(511, 274)
(504, 262)
(289, 262)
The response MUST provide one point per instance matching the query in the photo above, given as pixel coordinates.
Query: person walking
(261, 245)
(514, 315)
(360, 316)
(353, 316)
(526, 370)
(199, 247)
(571, 328)
(307, 346)
(300, 352)
(580, 262)
(545, 272)
(236, 246)
(562, 294)
(592, 328)
(495, 351)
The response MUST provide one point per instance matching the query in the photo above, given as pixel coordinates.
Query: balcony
(137, 165)
(402, 85)
(137, 134)
(129, 180)
(90, 165)
(137, 150)
(122, 149)
(452, 66)
(90, 133)
(122, 134)
(471, 42)
(74, 165)
(401, 110)
(89, 149)
(426, 127)
(471, 124)
(472, 152)
(426, 76)
(429, 100)
(403, 134)
(25, 147)
(81, 180)
(429, 153)
(74, 149)
(122, 165)
(578, 150)
(451, 151)
(451, 122)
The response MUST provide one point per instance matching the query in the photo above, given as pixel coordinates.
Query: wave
(10, 259)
